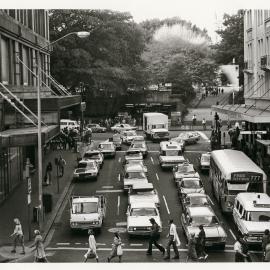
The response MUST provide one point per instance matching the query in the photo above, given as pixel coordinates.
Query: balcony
(265, 63)
(248, 67)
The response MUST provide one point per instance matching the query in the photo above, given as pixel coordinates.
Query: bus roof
(232, 161)
(254, 201)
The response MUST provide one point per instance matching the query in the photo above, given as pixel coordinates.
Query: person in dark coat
(192, 253)
(154, 237)
(201, 244)
(265, 241)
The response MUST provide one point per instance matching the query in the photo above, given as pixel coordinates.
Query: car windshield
(191, 184)
(143, 192)
(84, 208)
(186, 169)
(91, 156)
(133, 153)
(138, 145)
(204, 220)
(171, 153)
(139, 138)
(130, 133)
(135, 162)
(106, 146)
(260, 216)
(138, 175)
(82, 165)
(143, 212)
(205, 159)
(197, 200)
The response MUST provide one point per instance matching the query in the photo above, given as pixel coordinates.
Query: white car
(141, 146)
(143, 192)
(133, 154)
(87, 169)
(132, 162)
(180, 141)
(190, 185)
(127, 136)
(94, 155)
(69, 124)
(108, 149)
(138, 215)
(190, 137)
(120, 127)
(184, 170)
(204, 160)
(138, 138)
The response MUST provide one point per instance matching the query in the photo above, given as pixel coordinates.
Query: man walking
(204, 124)
(265, 241)
(201, 243)
(173, 240)
(239, 255)
(61, 165)
(154, 234)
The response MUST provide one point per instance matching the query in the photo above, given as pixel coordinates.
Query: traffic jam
(222, 190)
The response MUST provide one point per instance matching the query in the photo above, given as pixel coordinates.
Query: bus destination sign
(246, 177)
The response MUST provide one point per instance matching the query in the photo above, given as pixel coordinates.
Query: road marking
(136, 245)
(166, 205)
(119, 160)
(121, 224)
(157, 176)
(152, 160)
(101, 244)
(62, 244)
(232, 234)
(151, 151)
(107, 187)
(211, 200)
(110, 191)
(77, 243)
(119, 177)
(118, 205)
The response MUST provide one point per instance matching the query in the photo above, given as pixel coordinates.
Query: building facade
(24, 34)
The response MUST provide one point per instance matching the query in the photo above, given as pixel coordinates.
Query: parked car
(96, 128)
(87, 169)
(132, 162)
(143, 192)
(141, 146)
(204, 161)
(94, 155)
(194, 199)
(133, 154)
(138, 215)
(127, 136)
(189, 185)
(69, 124)
(186, 170)
(204, 215)
(107, 149)
(120, 127)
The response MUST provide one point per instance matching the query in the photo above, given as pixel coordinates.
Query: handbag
(119, 250)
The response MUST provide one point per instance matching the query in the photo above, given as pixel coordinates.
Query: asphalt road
(66, 246)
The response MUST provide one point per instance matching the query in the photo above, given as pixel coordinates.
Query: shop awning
(27, 136)
(264, 142)
(244, 112)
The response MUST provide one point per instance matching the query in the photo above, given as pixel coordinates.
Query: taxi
(132, 154)
(204, 161)
(127, 136)
(189, 185)
(251, 214)
(94, 155)
(87, 169)
(204, 215)
(194, 199)
(138, 215)
(184, 170)
(107, 149)
(132, 162)
(141, 146)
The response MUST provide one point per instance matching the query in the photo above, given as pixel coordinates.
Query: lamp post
(81, 34)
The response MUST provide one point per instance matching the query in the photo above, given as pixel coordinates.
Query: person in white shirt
(239, 256)
(173, 240)
(92, 250)
(18, 236)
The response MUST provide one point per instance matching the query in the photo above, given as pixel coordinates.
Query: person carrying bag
(116, 248)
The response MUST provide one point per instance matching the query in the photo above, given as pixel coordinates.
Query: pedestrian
(116, 248)
(61, 165)
(40, 255)
(173, 240)
(92, 250)
(48, 174)
(267, 253)
(154, 234)
(18, 236)
(201, 244)
(239, 256)
(244, 243)
(265, 241)
(194, 119)
(204, 124)
(192, 253)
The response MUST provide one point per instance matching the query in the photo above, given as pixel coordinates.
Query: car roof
(142, 204)
(200, 211)
(92, 152)
(134, 168)
(196, 195)
(191, 178)
(130, 150)
(85, 199)
(252, 201)
(142, 185)
(106, 142)
(87, 161)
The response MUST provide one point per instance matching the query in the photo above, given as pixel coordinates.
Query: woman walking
(116, 248)
(18, 236)
(92, 250)
(40, 255)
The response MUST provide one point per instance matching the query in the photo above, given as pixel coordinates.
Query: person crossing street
(92, 250)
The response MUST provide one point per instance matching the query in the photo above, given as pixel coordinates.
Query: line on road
(77, 243)
(203, 135)
(119, 160)
(210, 200)
(62, 244)
(101, 244)
(166, 205)
(110, 191)
(136, 245)
(232, 234)
(119, 177)
(118, 205)
(152, 160)
(107, 187)
(157, 176)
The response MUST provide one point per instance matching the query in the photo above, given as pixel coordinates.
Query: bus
(232, 172)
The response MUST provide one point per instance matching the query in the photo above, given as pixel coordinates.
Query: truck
(87, 212)
(155, 126)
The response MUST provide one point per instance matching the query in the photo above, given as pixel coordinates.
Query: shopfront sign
(260, 132)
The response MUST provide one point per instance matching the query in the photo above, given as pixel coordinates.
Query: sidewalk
(16, 204)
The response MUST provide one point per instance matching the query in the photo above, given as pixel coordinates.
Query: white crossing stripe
(121, 224)
(210, 200)
(110, 191)
(62, 244)
(119, 177)
(136, 245)
(157, 176)
(232, 234)
(107, 187)
(152, 160)
(118, 205)
(77, 243)
(101, 244)
(119, 160)
(166, 205)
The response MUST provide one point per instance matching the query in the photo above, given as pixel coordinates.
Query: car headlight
(229, 204)
(131, 228)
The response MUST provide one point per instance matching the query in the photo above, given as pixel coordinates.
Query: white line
(77, 243)
(107, 187)
(157, 176)
(119, 160)
(62, 244)
(166, 205)
(232, 234)
(101, 244)
(110, 191)
(136, 245)
(119, 177)
(152, 160)
(121, 224)
(118, 205)
(203, 135)
(210, 200)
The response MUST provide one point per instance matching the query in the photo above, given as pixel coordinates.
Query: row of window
(260, 15)
(18, 63)
(35, 19)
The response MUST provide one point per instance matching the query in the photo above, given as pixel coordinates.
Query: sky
(206, 14)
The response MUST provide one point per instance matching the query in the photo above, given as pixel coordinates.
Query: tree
(232, 42)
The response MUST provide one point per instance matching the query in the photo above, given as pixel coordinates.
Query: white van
(251, 214)
(69, 124)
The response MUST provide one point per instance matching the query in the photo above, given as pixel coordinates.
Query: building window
(25, 66)
(29, 18)
(12, 13)
(5, 63)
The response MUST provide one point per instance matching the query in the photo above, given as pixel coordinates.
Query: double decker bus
(232, 172)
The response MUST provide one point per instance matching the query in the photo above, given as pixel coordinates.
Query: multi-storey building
(256, 110)
(24, 33)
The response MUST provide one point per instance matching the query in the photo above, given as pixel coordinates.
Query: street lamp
(81, 34)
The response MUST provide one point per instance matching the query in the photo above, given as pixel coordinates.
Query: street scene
(126, 142)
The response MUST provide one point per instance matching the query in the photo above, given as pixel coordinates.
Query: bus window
(237, 206)
(240, 209)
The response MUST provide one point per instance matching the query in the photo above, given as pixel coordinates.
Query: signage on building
(83, 106)
(253, 132)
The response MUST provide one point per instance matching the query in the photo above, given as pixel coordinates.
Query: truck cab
(87, 212)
